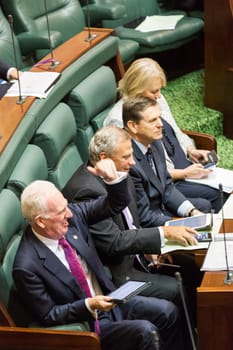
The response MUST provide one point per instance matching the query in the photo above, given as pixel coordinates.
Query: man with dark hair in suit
(43, 277)
(157, 197)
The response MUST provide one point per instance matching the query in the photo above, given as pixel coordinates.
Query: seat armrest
(12, 338)
(202, 141)
(106, 11)
(30, 42)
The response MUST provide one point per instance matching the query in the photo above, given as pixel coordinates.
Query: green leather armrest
(33, 41)
(99, 12)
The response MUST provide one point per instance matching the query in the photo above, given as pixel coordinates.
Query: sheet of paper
(37, 84)
(152, 23)
(215, 259)
(216, 177)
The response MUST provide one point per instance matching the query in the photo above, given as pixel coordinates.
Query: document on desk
(152, 23)
(215, 259)
(218, 176)
(171, 246)
(36, 84)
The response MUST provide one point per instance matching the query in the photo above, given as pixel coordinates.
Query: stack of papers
(37, 84)
(152, 23)
(218, 176)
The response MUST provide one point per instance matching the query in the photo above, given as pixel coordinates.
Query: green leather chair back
(66, 19)
(55, 137)
(6, 45)
(31, 166)
(90, 101)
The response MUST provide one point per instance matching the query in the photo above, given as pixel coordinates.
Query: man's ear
(39, 221)
(103, 155)
(132, 127)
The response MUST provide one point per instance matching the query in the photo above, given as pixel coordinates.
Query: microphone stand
(21, 99)
(54, 63)
(180, 286)
(90, 36)
(229, 275)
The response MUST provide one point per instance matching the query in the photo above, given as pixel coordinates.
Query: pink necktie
(77, 271)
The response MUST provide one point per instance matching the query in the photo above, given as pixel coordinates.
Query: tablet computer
(198, 222)
(127, 291)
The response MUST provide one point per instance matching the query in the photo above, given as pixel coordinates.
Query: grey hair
(34, 199)
(106, 140)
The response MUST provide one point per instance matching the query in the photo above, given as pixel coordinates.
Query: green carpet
(185, 96)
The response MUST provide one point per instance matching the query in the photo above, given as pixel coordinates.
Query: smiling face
(123, 156)
(54, 224)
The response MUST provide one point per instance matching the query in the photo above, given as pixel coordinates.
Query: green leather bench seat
(163, 40)
(110, 14)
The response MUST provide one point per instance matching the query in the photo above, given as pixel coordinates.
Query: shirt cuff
(8, 74)
(185, 208)
(93, 312)
(121, 176)
(161, 236)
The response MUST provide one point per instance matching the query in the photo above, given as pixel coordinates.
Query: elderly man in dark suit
(157, 197)
(43, 275)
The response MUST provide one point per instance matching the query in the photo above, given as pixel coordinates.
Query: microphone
(229, 275)
(90, 36)
(21, 99)
(52, 60)
(181, 290)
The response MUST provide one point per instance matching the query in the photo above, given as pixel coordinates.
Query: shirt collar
(142, 148)
(52, 244)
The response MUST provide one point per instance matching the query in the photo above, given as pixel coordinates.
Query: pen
(155, 263)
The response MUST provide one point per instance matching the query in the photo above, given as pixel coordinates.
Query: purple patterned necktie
(77, 271)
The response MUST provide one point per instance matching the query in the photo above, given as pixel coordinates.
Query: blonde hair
(138, 75)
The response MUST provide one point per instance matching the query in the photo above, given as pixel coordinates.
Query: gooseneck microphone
(229, 275)
(181, 290)
(52, 60)
(11, 22)
(90, 36)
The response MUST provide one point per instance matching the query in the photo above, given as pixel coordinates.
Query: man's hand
(183, 235)
(104, 168)
(101, 302)
(196, 154)
(196, 171)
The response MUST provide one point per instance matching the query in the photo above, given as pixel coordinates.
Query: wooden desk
(215, 309)
(12, 113)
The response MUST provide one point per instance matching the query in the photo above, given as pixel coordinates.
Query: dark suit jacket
(3, 70)
(42, 281)
(155, 196)
(111, 236)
